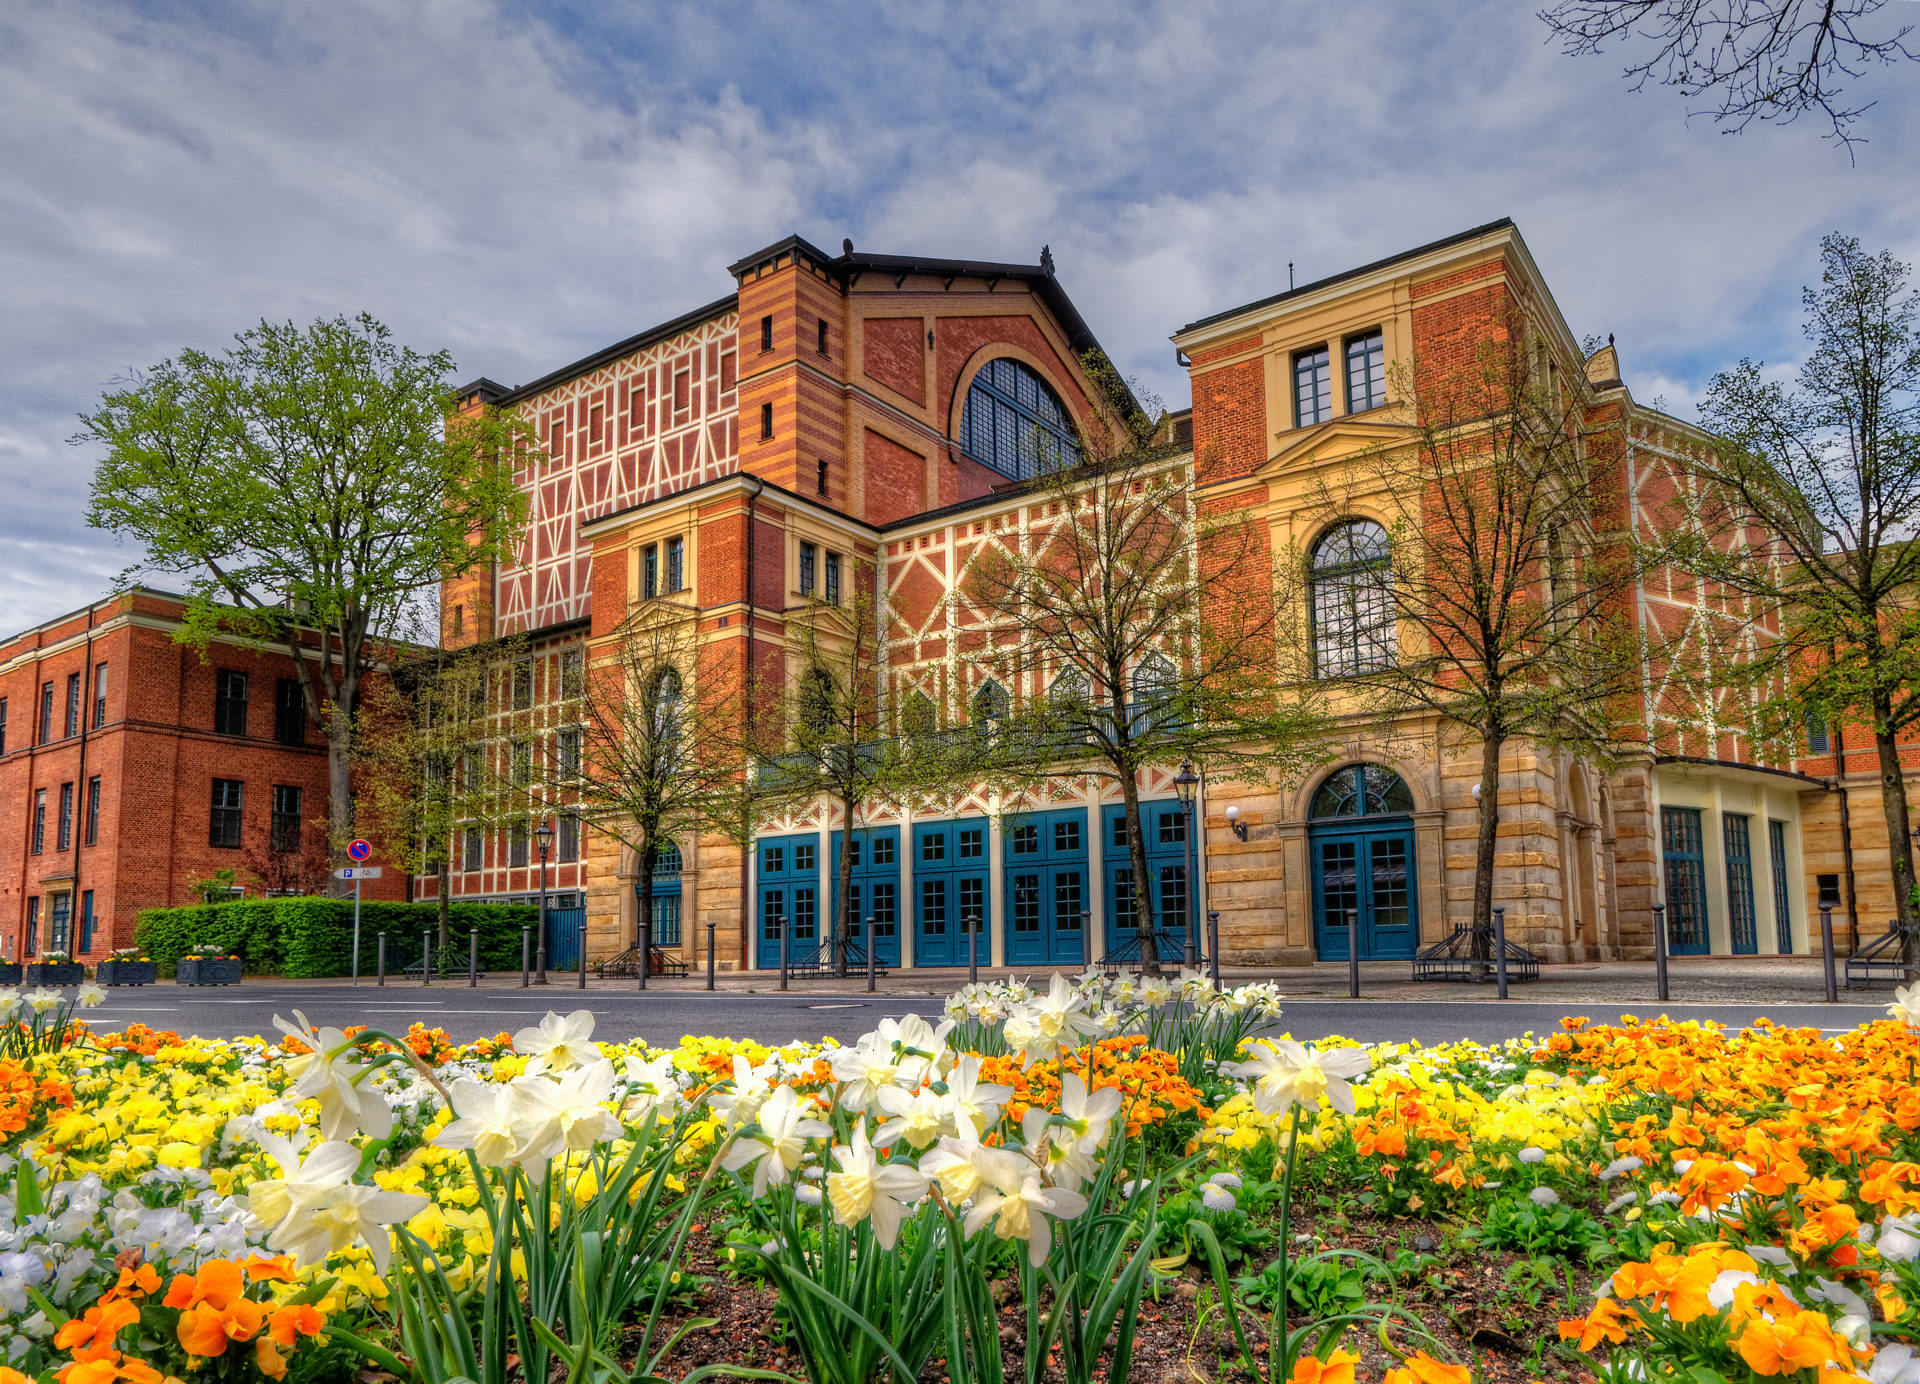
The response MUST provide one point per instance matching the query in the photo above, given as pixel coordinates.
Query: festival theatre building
(870, 412)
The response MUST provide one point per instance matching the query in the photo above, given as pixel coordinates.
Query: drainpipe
(87, 675)
(746, 850)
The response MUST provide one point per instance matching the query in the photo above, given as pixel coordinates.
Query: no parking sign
(359, 850)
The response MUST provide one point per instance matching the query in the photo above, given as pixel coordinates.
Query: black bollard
(1213, 946)
(382, 949)
(1826, 952)
(473, 958)
(646, 949)
(872, 947)
(973, 948)
(1353, 953)
(426, 958)
(583, 956)
(1500, 948)
(709, 956)
(526, 955)
(780, 921)
(1660, 950)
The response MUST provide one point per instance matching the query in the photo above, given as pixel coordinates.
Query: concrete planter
(55, 973)
(126, 972)
(203, 970)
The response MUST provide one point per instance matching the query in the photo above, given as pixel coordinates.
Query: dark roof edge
(1504, 223)
(792, 496)
(599, 358)
(1706, 763)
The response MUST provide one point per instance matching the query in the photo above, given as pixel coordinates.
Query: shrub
(302, 938)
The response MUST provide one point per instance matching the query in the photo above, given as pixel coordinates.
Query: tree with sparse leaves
(314, 486)
(1829, 465)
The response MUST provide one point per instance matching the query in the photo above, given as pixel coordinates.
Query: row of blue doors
(1043, 915)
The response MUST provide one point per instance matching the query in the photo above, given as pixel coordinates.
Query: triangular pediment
(1343, 437)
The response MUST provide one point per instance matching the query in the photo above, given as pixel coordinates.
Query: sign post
(359, 852)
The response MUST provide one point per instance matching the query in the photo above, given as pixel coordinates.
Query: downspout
(746, 848)
(87, 675)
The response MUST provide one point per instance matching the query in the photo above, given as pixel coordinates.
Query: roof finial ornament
(1289, 276)
(1609, 338)
(846, 246)
(1046, 260)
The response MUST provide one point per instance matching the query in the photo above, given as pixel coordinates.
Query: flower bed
(1635, 1200)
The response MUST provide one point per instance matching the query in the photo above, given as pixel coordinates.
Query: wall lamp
(1233, 820)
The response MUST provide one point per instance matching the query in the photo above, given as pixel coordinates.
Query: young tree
(837, 745)
(1759, 59)
(1141, 629)
(314, 485)
(663, 753)
(427, 760)
(1498, 592)
(1830, 466)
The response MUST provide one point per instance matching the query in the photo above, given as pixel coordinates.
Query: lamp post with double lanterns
(1186, 783)
(543, 839)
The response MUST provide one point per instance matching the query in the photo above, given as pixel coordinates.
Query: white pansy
(1898, 1243)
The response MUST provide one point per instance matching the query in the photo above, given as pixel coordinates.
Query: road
(662, 1017)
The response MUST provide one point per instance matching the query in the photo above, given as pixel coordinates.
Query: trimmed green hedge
(302, 938)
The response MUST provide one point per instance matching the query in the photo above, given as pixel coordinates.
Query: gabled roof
(1503, 224)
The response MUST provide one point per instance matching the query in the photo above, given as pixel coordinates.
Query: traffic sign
(357, 872)
(360, 850)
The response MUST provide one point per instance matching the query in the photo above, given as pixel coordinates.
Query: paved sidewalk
(1691, 980)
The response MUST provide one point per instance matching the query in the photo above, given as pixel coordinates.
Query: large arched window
(1351, 581)
(1361, 790)
(1015, 423)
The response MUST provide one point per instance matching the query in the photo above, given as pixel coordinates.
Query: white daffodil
(1057, 1150)
(1285, 1074)
(42, 999)
(91, 996)
(567, 1112)
(558, 1044)
(302, 1183)
(328, 1074)
(342, 1215)
(9, 1002)
(1906, 1006)
(740, 1103)
(485, 1124)
(962, 1165)
(1155, 991)
(1087, 1117)
(776, 1147)
(1196, 987)
(1021, 1035)
(1025, 1213)
(864, 1070)
(920, 1117)
(975, 1101)
(864, 1187)
(1059, 1017)
(653, 1087)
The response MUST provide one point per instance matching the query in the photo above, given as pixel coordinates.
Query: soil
(1490, 1309)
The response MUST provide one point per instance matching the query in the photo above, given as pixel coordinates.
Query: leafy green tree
(313, 485)
(1828, 465)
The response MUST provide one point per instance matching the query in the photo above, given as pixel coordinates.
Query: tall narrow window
(46, 713)
(823, 336)
(676, 564)
(3, 725)
(569, 753)
(823, 475)
(1312, 387)
(523, 684)
(1736, 838)
(1782, 910)
(289, 712)
(517, 846)
(766, 422)
(808, 555)
(39, 820)
(92, 831)
(223, 827)
(833, 579)
(86, 922)
(650, 571)
(471, 848)
(1366, 372)
(33, 925)
(569, 837)
(99, 695)
(1351, 586)
(571, 663)
(64, 835)
(284, 833)
(60, 922)
(1819, 739)
(229, 702)
(73, 703)
(766, 332)
(522, 761)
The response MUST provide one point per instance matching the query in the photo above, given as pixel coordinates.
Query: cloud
(524, 184)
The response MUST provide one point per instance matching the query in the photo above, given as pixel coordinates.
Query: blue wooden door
(1047, 888)
(788, 874)
(950, 892)
(875, 894)
(1369, 871)
(1165, 827)
(1743, 928)
(563, 938)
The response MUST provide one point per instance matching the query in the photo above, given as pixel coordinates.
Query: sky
(524, 184)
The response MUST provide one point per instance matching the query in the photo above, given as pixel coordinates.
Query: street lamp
(1185, 783)
(543, 839)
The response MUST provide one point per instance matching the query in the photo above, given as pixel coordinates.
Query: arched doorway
(1360, 848)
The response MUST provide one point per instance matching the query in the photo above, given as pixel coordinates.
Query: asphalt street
(663, 1017)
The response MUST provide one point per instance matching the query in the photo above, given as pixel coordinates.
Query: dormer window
(1312, 386)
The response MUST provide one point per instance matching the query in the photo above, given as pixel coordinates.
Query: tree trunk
(339, 794)
(643, 919)
(446, 896)
(1489, 838)
(1893, 795)
(1142, 891)
(843, 908)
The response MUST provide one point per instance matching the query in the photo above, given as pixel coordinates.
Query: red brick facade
(129, 758)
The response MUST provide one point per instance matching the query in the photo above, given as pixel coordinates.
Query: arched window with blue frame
(1015, 423)
(1350, 577)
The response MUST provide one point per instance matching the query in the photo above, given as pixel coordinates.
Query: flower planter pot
(126, 972)
(55, 973)
(198, 970)
(9, 972)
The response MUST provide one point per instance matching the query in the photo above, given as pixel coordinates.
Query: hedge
(302, 938)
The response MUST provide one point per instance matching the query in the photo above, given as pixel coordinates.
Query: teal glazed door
(875, 894)
(788, 873)
(950, 892)
(1360, 852)
(1047, 888)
